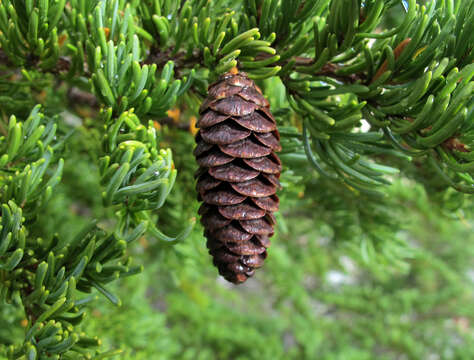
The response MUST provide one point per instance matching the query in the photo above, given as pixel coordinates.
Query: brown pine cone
(238, 175)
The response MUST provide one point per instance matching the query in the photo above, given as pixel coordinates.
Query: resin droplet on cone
(238, 175)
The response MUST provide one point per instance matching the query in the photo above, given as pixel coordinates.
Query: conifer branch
(357, 106)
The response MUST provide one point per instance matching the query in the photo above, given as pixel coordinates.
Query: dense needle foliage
(372, 258)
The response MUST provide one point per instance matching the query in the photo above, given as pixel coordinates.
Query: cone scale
(238, 174)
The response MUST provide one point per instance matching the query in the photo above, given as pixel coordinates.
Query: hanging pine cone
(238, 175)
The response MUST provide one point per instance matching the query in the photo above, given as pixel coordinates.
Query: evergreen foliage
(89, 93)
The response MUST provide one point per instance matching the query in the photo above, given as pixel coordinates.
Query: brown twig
(4, 58)
(453, 143)
(77, 96)
(181, 59)
(330, 70)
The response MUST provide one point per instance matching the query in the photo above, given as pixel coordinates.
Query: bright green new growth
(325, 66)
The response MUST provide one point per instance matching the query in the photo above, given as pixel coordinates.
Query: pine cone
(238, 175)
